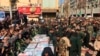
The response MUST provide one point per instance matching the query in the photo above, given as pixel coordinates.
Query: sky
(61, 2)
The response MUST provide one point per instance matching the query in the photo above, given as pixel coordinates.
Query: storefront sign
(29, 10)
(38, 10)
(24, 10)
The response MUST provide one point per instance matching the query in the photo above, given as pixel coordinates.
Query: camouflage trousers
(63, 53)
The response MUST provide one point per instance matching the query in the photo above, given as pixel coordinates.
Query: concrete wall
(23, 3)
(27, 3)
(4, 4)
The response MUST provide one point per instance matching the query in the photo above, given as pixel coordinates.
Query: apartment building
(90, 7)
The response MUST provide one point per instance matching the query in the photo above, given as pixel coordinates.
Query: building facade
(85, 7)
(48, 6)
(64, 9)
(4, 5)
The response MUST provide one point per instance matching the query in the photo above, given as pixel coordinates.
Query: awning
(49, 10)
(32, 16)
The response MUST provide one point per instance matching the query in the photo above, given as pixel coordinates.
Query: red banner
(27, 10)
(38, 10)
(24, 10)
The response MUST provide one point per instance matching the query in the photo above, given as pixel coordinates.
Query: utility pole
(68, 10)
(92, 5)
(10, 10)
(91, 10)
(85, 7)
(76, 8)
(80, 3)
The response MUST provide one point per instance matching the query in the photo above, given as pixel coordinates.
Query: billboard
(27, 10)
(37, 10)
(24, 10)
(2, 15)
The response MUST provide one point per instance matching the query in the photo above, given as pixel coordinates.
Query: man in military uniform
(64, 44)
(57, 45)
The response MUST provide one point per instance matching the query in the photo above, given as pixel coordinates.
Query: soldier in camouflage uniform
(64, 44)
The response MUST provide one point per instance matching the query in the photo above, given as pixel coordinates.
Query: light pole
(69, 8)
(85, 8)
(10, 10)
(11, 6)
(92, 3)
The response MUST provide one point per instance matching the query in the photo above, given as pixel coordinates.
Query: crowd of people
(69, 36)
(73, 36)
(14, 36)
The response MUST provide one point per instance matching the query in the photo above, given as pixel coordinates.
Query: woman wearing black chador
(47, 52)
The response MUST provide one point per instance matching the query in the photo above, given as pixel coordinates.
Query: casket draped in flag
(37, 45)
